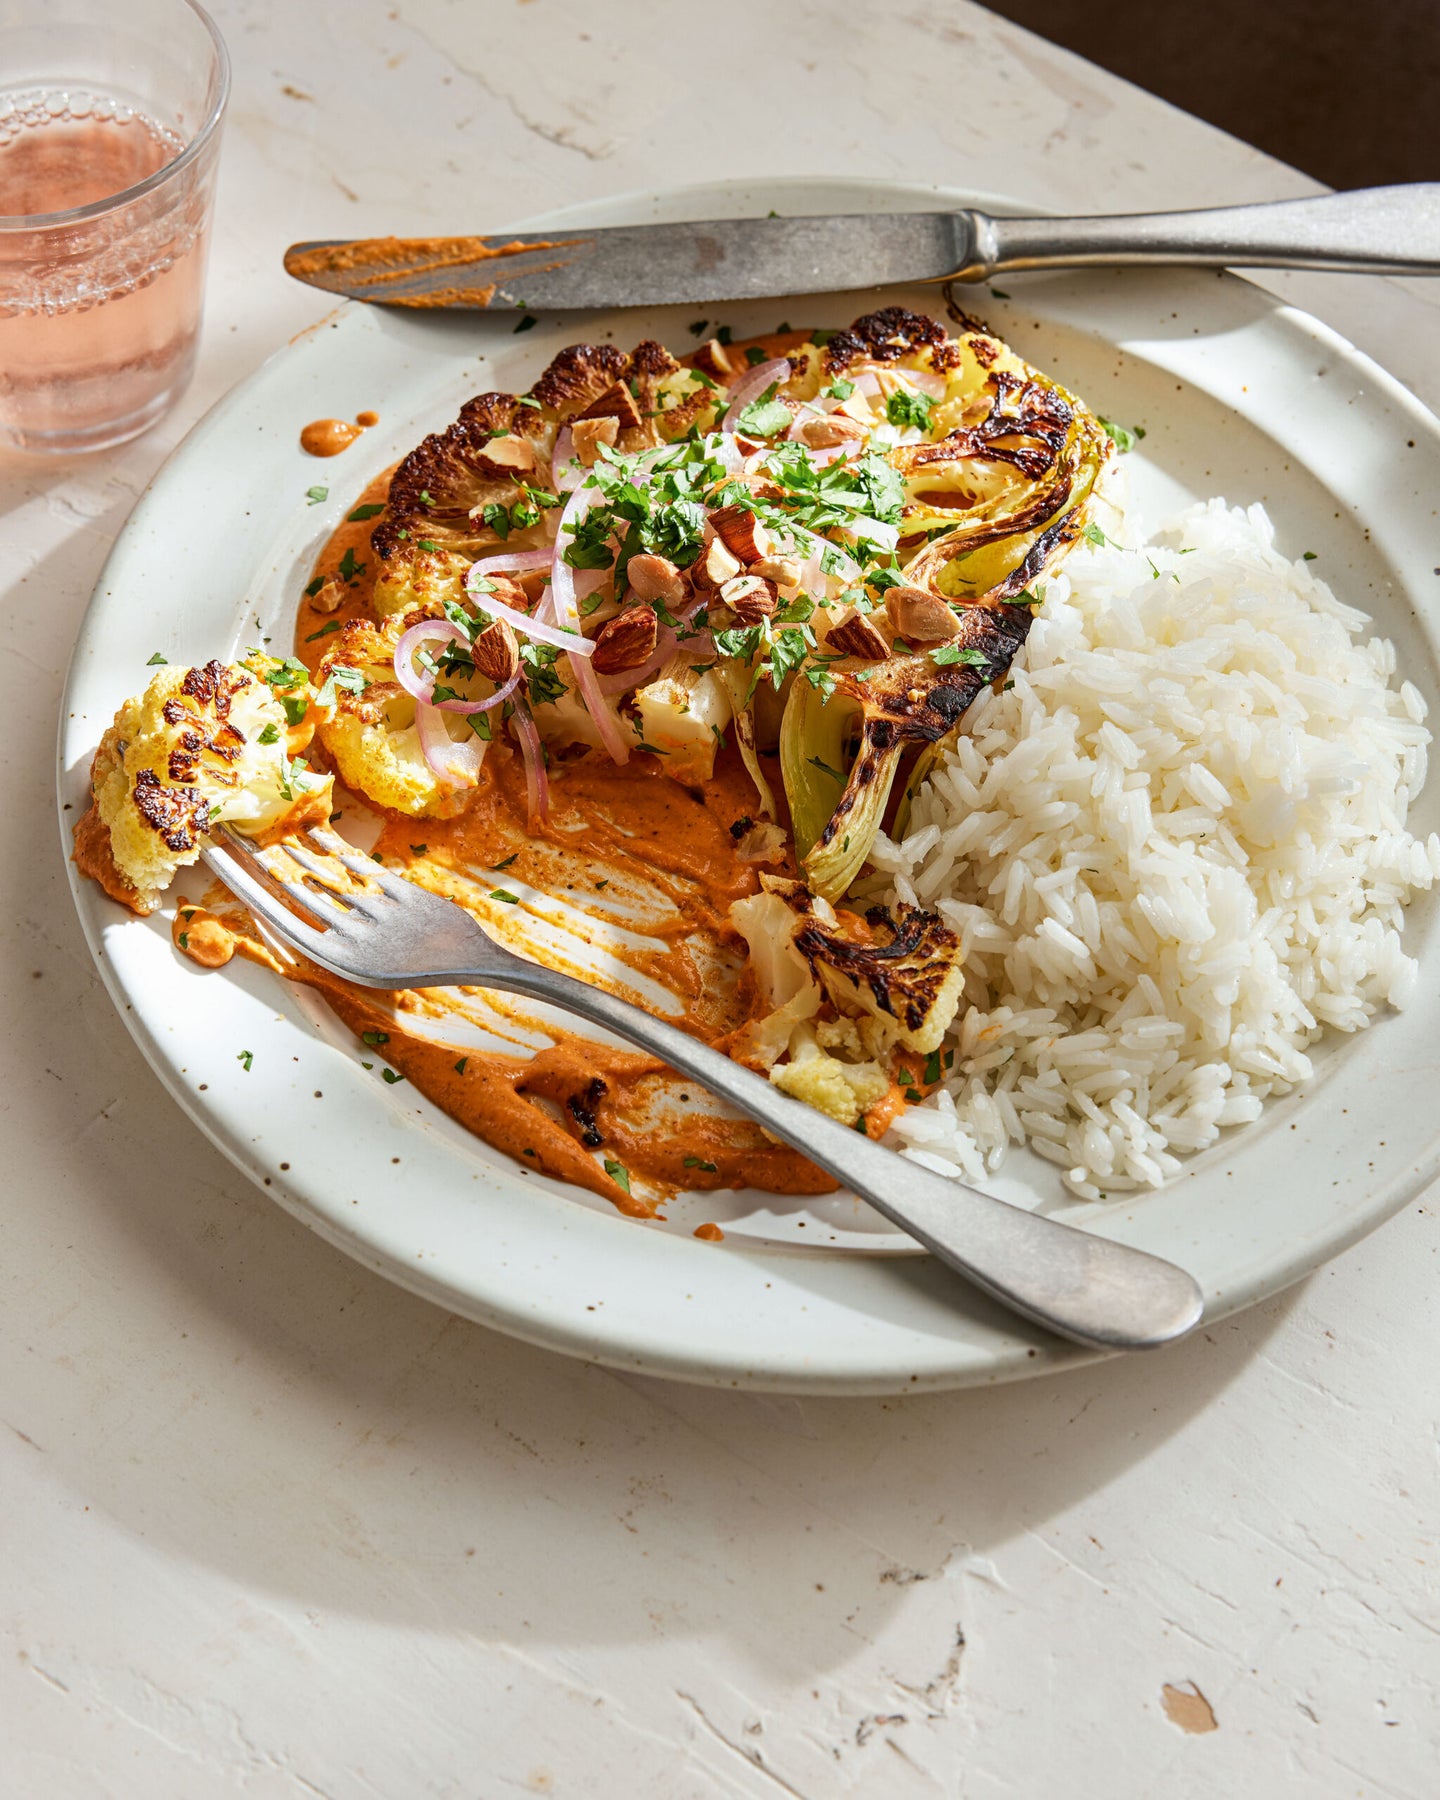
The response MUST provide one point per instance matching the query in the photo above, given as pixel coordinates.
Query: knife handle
(1370, 231)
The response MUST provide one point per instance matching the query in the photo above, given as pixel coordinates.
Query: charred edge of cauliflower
(198, 745)
(915, 979)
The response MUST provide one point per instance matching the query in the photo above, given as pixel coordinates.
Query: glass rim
(96, 209)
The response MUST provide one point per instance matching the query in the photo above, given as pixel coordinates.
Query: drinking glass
(110, 117)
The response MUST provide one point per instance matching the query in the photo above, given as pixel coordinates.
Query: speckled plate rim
(518, 1254)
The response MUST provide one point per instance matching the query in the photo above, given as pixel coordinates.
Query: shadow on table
(308, 1430)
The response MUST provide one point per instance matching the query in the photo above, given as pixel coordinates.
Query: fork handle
(1097, 1292)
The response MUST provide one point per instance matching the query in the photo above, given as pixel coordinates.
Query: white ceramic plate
(1238, 395)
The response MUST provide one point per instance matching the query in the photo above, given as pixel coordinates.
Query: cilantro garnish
(391, 1076)
(825, 769)
(460, 1066)
(906, 408)
(314, 587)
(502, 894)
(1122, 438)
(316, 494)
(340, 676)
(349, 568)
(618, 1173)
(158, 661)
(361, 513)
(375, 1038)
(245, 1058)
(270, 735)
(767, 416)
(952, 653)
(324, 631)
(699, 1162)
(527, 323)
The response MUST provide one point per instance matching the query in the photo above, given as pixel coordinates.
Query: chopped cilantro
(822, 337)
(1119, 435)
(618, 1173)
(314, 588)
(245, 1058)
(184, 940)
(158, 661)
(418, 849)
(1309, 556)
(952, 653)
(755, 356)
(316, 494)
(697, 327)
(1094, 535)
(508, 860)
(460, 1066)
(428, 544)
(840, 389)
(699, 1162)
(905, 408)
(324, 631)
(824, 767)
(391, 1076)
(270, 735)
(722, 334)
(370, 511)
(527, 323)
(502, 894)
(932, 1067)
(767, 416)
(999, 293)
(340, 677)
(375, 1038)
(296, 706)
(349, 568)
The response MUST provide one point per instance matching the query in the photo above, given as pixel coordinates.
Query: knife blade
(633, 265)
(1393, 230)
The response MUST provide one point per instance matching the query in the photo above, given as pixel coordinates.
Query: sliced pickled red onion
(537, 781)
(566, 608)
(566, 471)
(750, 386)
(457, 764)
(422, 687)
(531, 624)
(509, 562)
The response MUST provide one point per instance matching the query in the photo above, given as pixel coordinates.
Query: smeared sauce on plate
(630, 862)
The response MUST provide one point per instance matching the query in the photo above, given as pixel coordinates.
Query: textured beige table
(270, 1527)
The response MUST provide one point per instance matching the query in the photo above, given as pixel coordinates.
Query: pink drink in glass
(104, 216)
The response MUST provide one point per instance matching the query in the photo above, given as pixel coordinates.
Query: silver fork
(395, 934)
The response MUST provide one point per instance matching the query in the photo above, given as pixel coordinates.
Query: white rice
(1175, 851)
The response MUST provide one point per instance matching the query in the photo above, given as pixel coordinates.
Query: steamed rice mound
(1176, 852)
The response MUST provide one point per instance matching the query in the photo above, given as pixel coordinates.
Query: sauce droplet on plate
(328, 437)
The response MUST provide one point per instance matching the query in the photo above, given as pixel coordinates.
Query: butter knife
(1376, 231)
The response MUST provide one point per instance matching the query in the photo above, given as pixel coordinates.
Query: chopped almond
(717, 566)
(497, 656)
(715, 360)
(742, 533)
(626, 641)
(825, 433)
(921, 617)
(590, 434)
(508, 457)
(750, 597)
(655, 578)
(784, 571)
(853, 634)
(617, 402)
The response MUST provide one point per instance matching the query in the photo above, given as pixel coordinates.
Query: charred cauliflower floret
(199, 747)
(895, 983)
(368, 726)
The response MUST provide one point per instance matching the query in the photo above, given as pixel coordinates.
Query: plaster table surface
(274, 1528)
